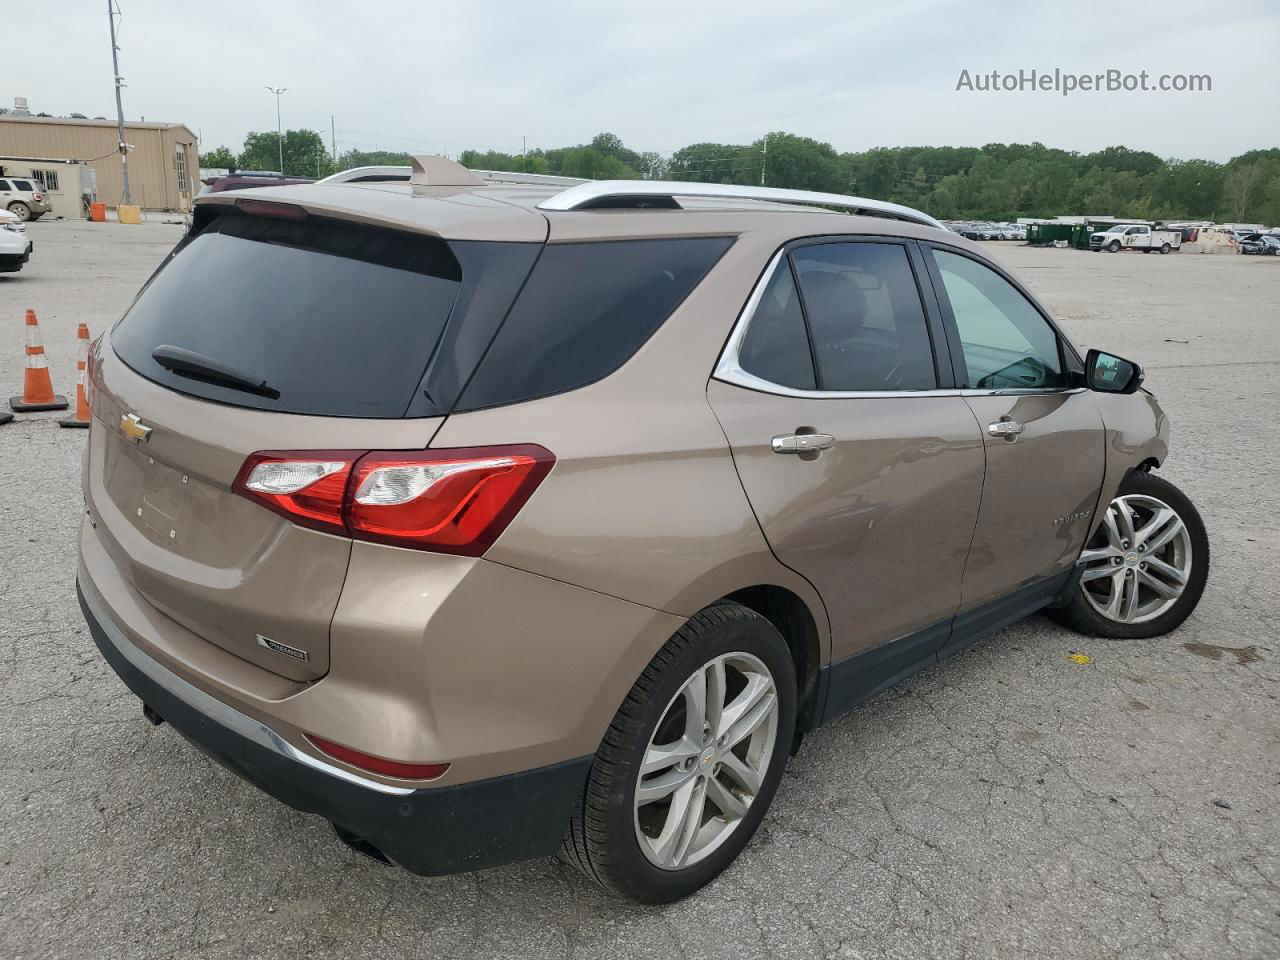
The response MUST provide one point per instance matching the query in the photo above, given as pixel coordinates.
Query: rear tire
(1178, 565)
(1166, 248)
(650, 852)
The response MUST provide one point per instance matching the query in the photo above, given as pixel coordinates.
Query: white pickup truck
(1134, 236)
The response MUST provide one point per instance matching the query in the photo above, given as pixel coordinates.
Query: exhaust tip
(359, 844)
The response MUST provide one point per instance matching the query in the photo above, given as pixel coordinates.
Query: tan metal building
(163, 165)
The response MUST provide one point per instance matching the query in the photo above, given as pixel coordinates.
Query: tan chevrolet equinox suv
(487, 519)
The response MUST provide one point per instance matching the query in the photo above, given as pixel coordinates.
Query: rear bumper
(427, 831)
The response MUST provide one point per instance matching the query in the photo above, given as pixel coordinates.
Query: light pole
(115, 68)
(279, 130)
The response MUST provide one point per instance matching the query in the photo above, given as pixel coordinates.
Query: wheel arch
(793, 618)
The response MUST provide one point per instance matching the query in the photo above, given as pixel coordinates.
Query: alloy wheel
(706, 760)
(1139, 561)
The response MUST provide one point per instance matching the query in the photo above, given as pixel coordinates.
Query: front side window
(865, 317)
(1005, 341)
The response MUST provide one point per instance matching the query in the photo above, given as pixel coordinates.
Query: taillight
(307, 487)
(448, 501)
(388, 768)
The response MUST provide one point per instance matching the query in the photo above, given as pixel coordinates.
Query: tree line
(997, 181)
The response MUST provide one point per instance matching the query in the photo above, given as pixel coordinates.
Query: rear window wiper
(188, 363)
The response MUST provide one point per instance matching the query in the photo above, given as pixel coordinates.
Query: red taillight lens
(306, 486)
(448, 501)
(388, 768)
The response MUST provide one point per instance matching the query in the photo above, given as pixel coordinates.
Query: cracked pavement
(1011, 802)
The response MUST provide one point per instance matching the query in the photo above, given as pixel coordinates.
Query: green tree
(304, 153)
(219, 158)
(349, 159)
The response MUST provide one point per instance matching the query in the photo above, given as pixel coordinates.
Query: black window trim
(1068, 358)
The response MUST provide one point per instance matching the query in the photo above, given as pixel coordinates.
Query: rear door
(327, 330)
(1042, 430)
(864, 470)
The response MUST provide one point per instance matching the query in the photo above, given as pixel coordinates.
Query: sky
(430, 76)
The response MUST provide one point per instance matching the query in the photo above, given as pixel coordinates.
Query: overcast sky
(427, 76)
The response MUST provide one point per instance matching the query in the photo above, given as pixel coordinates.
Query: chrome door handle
(1009, 429)
(803, 442)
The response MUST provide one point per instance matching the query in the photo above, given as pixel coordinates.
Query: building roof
(76, 122)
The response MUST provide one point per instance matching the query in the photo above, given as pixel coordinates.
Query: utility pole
(524, 154)
(279, 129)
(333, 140)
(115, 69)
(764, 158)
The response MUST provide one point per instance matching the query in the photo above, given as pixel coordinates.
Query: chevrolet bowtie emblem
(134, 429)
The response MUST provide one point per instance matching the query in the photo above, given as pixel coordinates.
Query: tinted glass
(1006, 343)
(865, 317)
(586, 308)
(776, 347)
(4, 185)
(340, 319)
(23, 185)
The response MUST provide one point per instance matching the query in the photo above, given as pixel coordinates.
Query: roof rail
(545, 179)
(369, 175)
(404, 175)
(598, 194)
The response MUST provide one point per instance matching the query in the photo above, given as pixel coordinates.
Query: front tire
(1145, 568)
(692, 759)
(20, 210)
(1114, 246)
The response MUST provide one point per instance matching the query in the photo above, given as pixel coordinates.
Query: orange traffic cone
(37, 388)
(81, 417)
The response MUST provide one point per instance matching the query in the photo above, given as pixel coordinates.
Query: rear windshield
(334, 320)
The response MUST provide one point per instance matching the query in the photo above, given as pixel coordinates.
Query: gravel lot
(1010, 803)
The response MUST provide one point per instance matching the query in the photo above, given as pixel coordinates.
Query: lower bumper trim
(431, 831)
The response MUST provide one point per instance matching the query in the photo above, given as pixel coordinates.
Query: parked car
(1130, 236)
(1264, 244)
(485, 527)
(23, 197)
(15, 247)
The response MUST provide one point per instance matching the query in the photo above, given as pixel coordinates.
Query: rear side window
(585, 310)
(335, 320)
(776, 347)
(23, 185)
(865, 317)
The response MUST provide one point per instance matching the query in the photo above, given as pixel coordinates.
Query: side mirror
(1107, 373)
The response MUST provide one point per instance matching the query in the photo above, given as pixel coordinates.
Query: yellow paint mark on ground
(1080, 658)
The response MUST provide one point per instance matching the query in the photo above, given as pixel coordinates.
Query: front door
(1043, 434)
(863, 477)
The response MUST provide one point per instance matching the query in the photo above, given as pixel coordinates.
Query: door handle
(803, 442)
(1005, 427)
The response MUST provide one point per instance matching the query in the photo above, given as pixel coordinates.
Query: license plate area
(152, 494)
